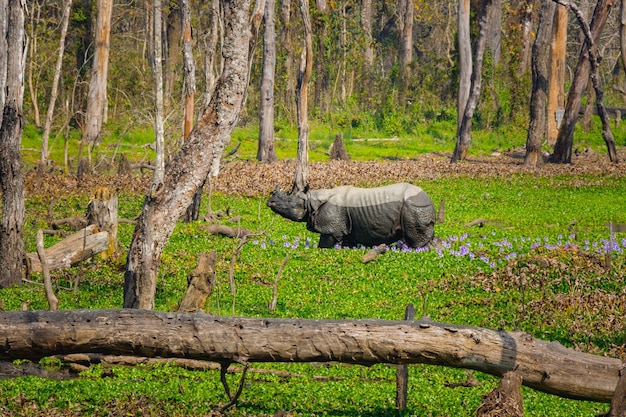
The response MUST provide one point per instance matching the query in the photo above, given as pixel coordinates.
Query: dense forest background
(363, 78)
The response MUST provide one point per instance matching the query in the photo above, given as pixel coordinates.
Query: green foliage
(472, 278)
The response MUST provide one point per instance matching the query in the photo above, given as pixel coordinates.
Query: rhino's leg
(327, 241)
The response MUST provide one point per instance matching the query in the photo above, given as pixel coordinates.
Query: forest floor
(250, 178)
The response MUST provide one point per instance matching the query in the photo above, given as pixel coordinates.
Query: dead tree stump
(102, 212)
(504, 401)
(337, 150)
(201, 282)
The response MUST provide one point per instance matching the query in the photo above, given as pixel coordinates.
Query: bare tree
(266, 152)
(465, 127)
(12, 63)
(189, 168)
(302, 89)
(97, 98)
(565, 139)
(55, 83)
(539, 97)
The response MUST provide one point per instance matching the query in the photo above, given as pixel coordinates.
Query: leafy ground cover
(544, 262)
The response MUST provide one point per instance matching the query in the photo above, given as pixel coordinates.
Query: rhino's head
(290, 206)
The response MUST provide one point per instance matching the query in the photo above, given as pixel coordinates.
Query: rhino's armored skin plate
(369, 216)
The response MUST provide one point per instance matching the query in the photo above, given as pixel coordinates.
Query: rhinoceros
(369, 216)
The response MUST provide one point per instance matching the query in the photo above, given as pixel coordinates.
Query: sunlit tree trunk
(97, 98)
(304, 75)
(266, 152)
(189, 168)
(55, 83)
(556, 88)
(565, 138)
(12, 63)
(539, 97)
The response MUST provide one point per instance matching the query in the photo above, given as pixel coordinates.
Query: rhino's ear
(315, 204)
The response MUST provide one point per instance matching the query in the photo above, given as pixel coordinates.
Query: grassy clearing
(529, 268)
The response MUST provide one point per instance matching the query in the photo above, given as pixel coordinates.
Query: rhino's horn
(276, 191)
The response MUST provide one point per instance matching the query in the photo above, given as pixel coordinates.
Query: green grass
(472, 279)
(365, 141)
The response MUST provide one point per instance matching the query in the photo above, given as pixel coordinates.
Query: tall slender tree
(405, 50)
(464, 129)
(12, 63)
(157, 71)
(97, 98)
(189, 168)
(55, 83)
(266, 152)
(302, 97)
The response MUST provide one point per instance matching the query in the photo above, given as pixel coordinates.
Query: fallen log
(545, 366)
(76, 248)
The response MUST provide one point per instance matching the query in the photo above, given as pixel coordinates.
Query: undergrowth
(543, 262)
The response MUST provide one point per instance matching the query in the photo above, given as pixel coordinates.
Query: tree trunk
(464, 130)
(405, 21)
(366, 27)
(539, 97)
(174, 29)
(189, 69)
(622, 33)
(302, 89)
(97, 98)
(212, 68)
(157, 72)
(494, 35)
(55, 83)
(322, 80)
(166, 203)
(285, 42)
(465, 58)
(12, 61)
(189, 91)
(35, 13)
(102, 212)
(565, 138)
(556, 88)
(266, 152)
(76, 248)
(545, 366)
